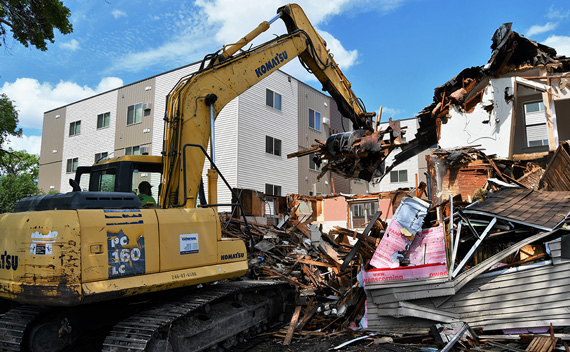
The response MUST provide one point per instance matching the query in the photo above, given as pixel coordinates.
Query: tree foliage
(32, 22)
(18, 178)
(8, 120)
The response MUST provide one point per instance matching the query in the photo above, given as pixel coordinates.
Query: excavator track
(213, 318)
(13, 324)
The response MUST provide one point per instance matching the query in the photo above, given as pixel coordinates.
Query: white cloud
(390, 112)
(556, 14)
(33, 98)
(560, 43)
(536, 29)
(72, 45)
(118, 13)
(31, 144)
(228, 20)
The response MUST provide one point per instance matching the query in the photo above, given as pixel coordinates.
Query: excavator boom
(195, 102)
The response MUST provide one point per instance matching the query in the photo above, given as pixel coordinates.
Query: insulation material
(405, 272)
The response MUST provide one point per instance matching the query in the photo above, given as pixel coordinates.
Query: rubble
(474, 259)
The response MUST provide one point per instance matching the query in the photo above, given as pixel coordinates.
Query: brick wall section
(462, 179)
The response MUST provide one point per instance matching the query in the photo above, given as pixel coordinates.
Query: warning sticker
(41, 248)
(189, 243)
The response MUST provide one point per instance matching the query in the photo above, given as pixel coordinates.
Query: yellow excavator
(97, 263)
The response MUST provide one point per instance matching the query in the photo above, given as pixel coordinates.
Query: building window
(134, 114)
(361, 212)
(272, 190)
(272, 146)
(312, 164)
(103, 120)
(71, 165)
(398, 176)
(273, 99)
(101, 156)
(535, 124)
(315, 119)
(75, 128)
(136, 150)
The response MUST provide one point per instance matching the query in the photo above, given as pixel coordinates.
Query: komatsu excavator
(93, 263)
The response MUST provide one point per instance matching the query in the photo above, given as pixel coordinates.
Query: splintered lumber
(304, 152)
(359, 243)
(308, 315)
(542, 344)
(292, 326)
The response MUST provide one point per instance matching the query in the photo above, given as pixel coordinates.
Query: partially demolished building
(502, 213)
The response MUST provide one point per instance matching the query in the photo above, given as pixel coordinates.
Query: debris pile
(483, 246)
(331, 299)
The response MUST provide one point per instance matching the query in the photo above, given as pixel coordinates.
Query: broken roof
(542, 210)
(511, 52)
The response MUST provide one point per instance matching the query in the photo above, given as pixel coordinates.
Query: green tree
(18, 178)
(8, 120)
(32, 22)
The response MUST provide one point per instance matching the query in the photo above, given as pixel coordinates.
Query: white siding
(411, 165)
(163, 85)
(91, 140)
(493, 130)
(256, 120)
(226, 130)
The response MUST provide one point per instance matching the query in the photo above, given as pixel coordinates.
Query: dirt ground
(269, 342)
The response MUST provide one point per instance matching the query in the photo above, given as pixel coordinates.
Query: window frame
(316, 122)
(398, 173)
(135, 108)
(274, 190)
(101, 156)
(105, 117)
(312, 164)
(272, 102)
(273, 146)
(132, 150)
(71, 165)
(75, 127)
(534, 114)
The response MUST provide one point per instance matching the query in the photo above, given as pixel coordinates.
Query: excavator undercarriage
(214, 317)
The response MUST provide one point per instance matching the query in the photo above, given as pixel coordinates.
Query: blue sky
(394, 52)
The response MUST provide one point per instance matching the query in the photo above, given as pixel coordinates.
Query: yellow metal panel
(96, 291)
(118, 243)
(40, 257)
(188, 237)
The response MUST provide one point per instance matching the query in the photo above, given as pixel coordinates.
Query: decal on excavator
(189, 243)
(8, 261)
(232, 256)
(271, 64)
(121, 217)
(42, 244)
(125, 258)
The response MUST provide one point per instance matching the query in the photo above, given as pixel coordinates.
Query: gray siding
(52, 149)
(310, 98)
(139, 134)
(499, 300)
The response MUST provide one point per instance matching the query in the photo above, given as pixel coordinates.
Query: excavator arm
(196, 101)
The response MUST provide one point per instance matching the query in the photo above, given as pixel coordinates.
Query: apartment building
(407, 174)
(253, 133)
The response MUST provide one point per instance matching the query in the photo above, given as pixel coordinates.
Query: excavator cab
(121, 174)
